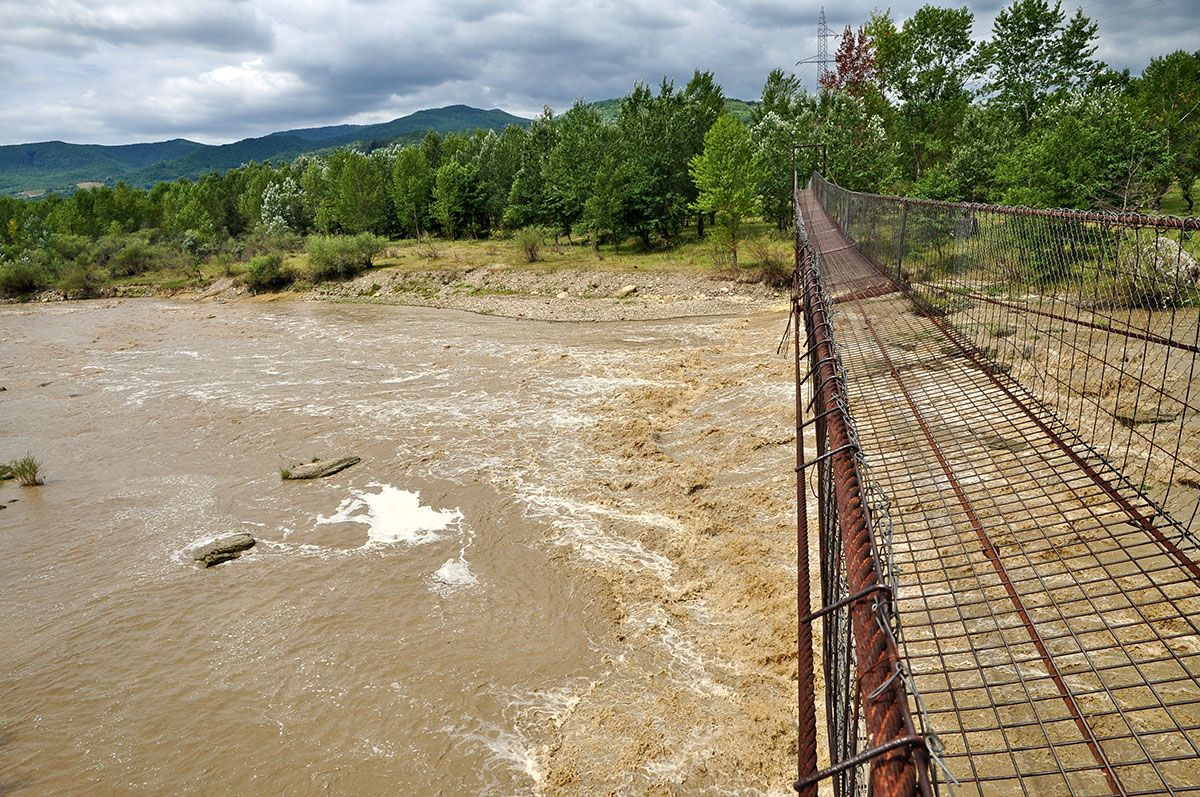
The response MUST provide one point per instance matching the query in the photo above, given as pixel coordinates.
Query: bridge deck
(1052, 629)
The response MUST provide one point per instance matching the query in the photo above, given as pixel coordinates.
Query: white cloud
(213, 70)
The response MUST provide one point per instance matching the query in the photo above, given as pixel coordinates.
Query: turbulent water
(455, 614)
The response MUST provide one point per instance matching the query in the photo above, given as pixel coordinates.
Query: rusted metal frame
(1099, 479)
(887, 715)
(1136, 664)
(1091, 324)
(864, 593)
(1128, 220)
(993, 557)
(1142, 520)
(1094, 609)
(1145, 622)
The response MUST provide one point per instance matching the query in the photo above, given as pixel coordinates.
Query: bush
(77, 279)
(775, 262)
(341, 257)
(22, 277)
(268, 273)
(25, 471)
(529, 241)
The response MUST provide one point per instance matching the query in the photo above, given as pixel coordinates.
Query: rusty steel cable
(1049, 602)
(867, 685)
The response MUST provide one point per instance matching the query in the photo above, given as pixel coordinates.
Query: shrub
(529, 241)
(268, 273)
(341, 257)
(775, 262)
(77, 279)
(22, 277)
(26, 471)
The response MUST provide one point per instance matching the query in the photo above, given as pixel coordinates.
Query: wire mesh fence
(873, 744)
(1096, 314)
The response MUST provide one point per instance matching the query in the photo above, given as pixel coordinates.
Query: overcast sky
(122, 71)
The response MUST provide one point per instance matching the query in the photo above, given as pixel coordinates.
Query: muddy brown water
(515, 592)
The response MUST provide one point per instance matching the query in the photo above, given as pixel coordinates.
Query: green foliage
(268, 273)
(927, 63)
(341, 257)
(412, 188)
(729, 176)
(22, 277)
(458, 199)
(26, 471)
(354, 202)
(529, 241)
(1089, 149)
(1168, 93)
(1036, 53)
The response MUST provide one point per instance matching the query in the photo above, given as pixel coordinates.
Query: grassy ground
(762, 247)
(1173, 204)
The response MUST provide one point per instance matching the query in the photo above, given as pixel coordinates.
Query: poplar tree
(728, 174)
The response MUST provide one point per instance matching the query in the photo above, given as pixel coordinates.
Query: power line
(1133, 10)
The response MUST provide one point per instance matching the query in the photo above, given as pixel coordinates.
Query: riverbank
(572, 294)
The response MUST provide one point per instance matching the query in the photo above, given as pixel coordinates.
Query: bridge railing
(874, 747)
(1096, 314)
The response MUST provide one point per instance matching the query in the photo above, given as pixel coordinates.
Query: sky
(124, 71)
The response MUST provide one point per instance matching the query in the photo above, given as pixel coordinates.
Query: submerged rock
(320, 469)
(224, 549)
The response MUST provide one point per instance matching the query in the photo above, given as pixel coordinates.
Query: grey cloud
(74, 28)
(219, 70)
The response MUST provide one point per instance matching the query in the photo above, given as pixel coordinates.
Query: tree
(860, 156)
(581, 142)
(781, 95)
(926, 65)
(855, 62)
(412, 186)
(283, 208)
(1085, 149)
(355, 197)
(728, 175)
(1034, 54)
(774, 138)
(1169, 93)
(527, 201)
(652, 137)
(458, 199)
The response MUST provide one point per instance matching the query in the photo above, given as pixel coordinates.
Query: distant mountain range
(31, 170)
(34, 169)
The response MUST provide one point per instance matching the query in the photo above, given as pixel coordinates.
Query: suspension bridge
(999, 434)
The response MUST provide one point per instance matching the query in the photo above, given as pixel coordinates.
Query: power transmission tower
(822, 58)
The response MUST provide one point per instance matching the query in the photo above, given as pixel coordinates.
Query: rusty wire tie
(826, 455)
(861, 758)
(862, 593)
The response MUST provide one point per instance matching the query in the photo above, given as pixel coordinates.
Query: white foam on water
(393, 515)
(587, 527)
(507, 748)
(454, 573)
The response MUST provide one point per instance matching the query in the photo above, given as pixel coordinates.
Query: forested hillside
(914, 107)
(57, 166)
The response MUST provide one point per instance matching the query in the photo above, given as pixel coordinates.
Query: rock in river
(223, 549)
(321, 468)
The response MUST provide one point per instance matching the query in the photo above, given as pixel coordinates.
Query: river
(562, 566)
